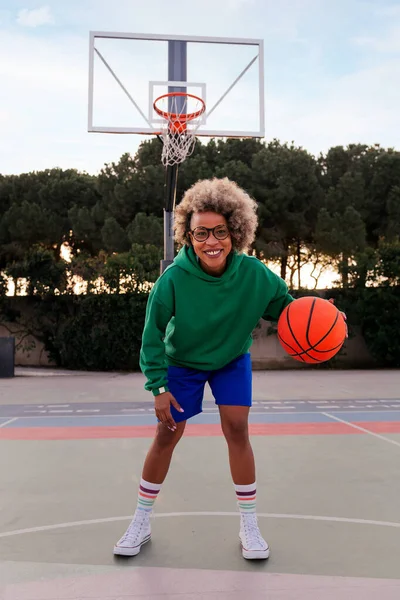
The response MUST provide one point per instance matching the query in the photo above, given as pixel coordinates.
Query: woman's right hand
(162, 407)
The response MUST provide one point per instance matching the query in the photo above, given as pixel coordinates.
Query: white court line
(271, 402)
(381, 437)
(201, 514)
(319, 401)
(294, 401)
(370, 401)
(292, 412)
(8, 422)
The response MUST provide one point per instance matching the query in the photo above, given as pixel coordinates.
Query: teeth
(213, 252)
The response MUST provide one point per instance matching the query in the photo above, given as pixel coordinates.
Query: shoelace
(134, 529)
(252, 531)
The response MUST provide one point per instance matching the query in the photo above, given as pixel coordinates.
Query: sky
(332, 71)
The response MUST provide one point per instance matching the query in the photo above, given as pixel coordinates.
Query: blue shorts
(231, 385)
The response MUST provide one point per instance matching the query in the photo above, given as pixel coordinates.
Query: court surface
(327, 447)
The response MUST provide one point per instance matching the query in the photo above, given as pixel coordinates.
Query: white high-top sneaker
(253, 544)
(137, 534)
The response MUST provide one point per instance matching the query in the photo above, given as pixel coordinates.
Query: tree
(341, 235)
(36, 207)
(382, 215)
(238, 150)
(86, 226)
(289, 196)
(88, 270)
(128, 187)
(131, 271)
(223, 158)
(366, 178)
(146, 262)
(388, 264)
(114, 236)
(43, 274)
(146, 229)
(237, 171)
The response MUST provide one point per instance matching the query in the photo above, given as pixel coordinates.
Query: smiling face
(212, 252)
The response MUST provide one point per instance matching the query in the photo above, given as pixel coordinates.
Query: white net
(182, 114)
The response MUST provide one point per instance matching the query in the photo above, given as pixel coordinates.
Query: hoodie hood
(187, 260)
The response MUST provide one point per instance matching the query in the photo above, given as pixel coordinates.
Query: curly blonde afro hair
(224, 197)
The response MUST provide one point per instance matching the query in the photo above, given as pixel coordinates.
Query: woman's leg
(154, 472)
(158, 459)
(234, 423)
(187, 387)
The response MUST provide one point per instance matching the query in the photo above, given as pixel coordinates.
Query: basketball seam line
(312, 346)
(291, 347)
(309, 322)
(295, 339)
(327, 333)
(299, 354)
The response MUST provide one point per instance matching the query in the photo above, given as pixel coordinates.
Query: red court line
(381, 426)
(192, 430)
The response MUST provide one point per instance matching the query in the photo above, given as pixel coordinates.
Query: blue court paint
(206, 418)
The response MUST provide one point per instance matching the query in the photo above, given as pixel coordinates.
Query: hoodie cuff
(161, 390)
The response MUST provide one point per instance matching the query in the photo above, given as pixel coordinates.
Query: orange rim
(181, 119)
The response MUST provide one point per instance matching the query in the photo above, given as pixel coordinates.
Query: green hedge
(95, 332)
(376, 312)
(103, 332)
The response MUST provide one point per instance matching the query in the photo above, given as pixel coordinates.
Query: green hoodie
(203, 322)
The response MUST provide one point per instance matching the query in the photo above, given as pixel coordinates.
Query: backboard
(128, 71)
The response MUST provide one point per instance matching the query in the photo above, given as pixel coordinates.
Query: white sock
(147, 495)
(246, 498)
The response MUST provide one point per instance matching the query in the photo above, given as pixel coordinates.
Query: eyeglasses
(201, 234)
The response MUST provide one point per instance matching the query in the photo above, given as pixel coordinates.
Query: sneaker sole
(121, 551)
(255, 554)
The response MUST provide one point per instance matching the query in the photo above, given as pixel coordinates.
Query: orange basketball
(311, 330)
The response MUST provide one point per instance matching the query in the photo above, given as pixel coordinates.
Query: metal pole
(177, 71)
(171, 180)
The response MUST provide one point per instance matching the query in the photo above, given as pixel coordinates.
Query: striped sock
(147, 495)
(246, 498)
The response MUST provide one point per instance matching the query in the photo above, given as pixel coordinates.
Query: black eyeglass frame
(209, 230)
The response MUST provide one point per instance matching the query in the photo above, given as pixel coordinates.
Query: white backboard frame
(152, 130)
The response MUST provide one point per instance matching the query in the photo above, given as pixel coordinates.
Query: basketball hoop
(178, 131)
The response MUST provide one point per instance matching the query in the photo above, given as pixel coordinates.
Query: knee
(167, 439)
(236, 431)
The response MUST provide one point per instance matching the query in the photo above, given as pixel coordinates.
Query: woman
(199, 321)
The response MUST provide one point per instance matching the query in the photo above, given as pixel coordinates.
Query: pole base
(164, 264)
